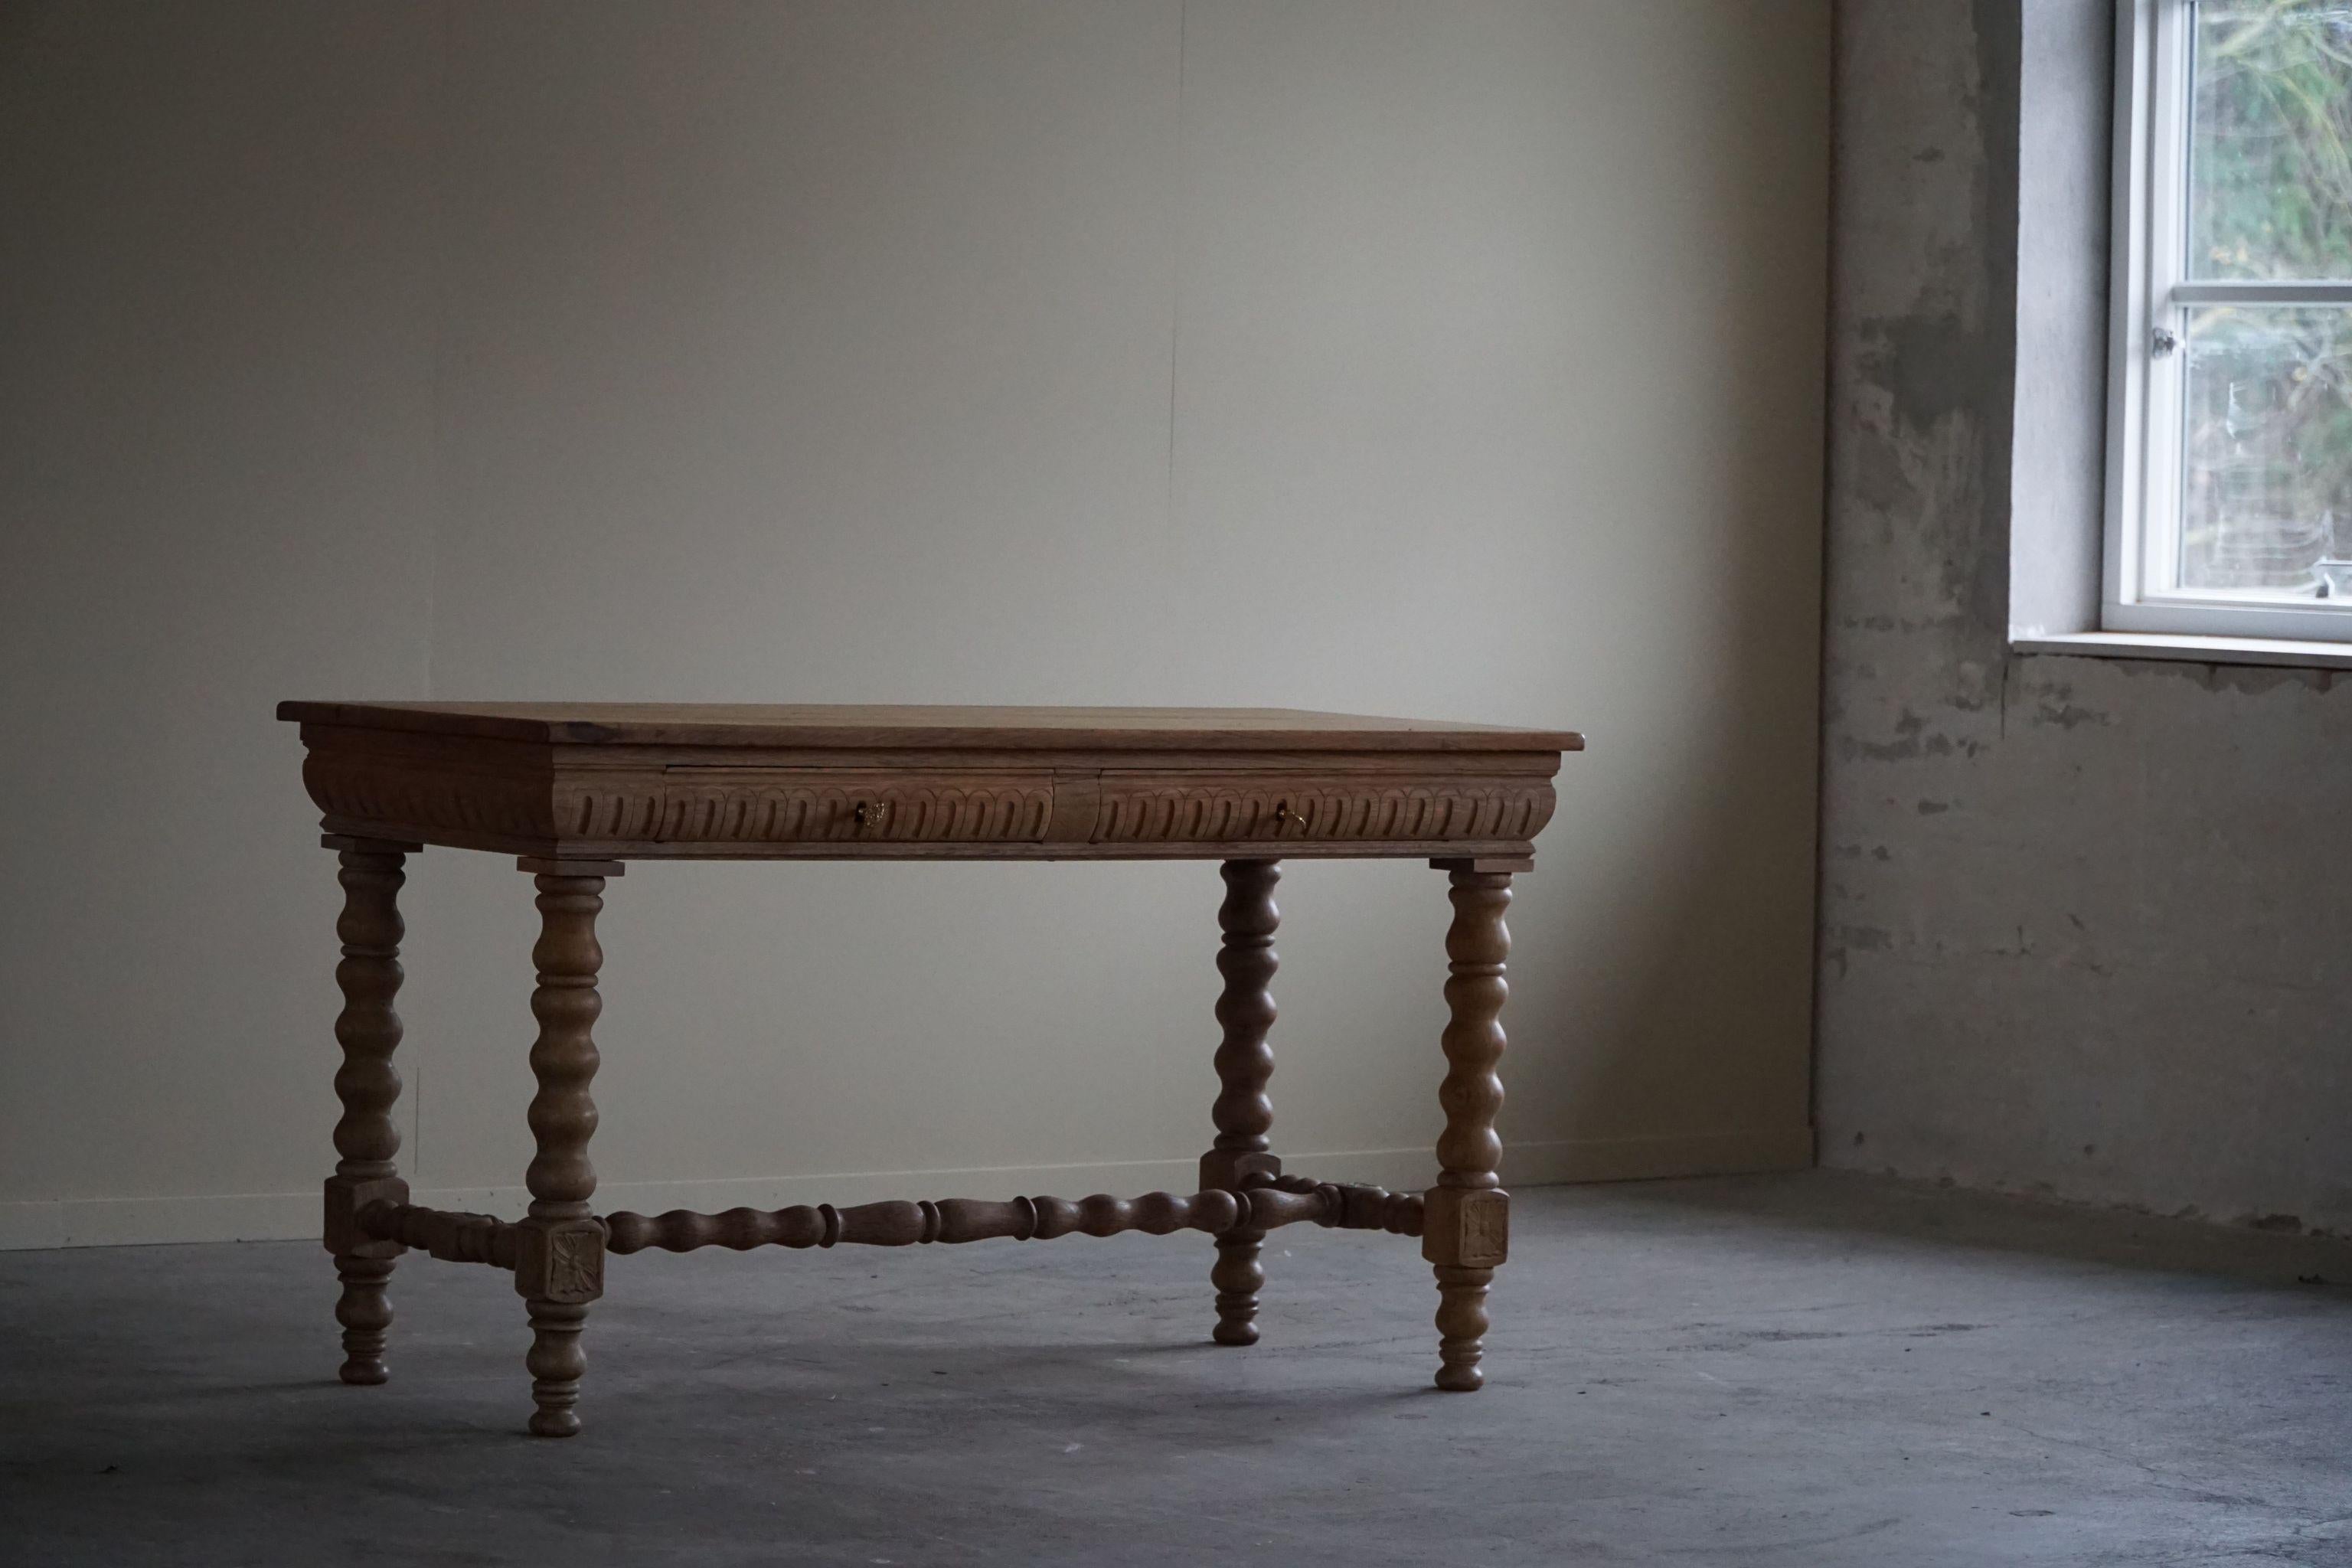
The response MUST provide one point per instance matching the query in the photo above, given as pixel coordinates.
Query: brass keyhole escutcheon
(1281, 815)
(870, 812)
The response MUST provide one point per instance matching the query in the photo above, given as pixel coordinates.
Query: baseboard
(293, 1216)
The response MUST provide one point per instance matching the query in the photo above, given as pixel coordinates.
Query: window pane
(2267, 477)
(2271, 139)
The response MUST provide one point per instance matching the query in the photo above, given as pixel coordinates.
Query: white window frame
(2149, 301)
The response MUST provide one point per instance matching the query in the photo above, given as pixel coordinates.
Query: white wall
(1461, 360)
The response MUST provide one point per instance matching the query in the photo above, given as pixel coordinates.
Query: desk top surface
(819, 725)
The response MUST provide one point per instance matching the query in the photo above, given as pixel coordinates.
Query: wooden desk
(575, 789)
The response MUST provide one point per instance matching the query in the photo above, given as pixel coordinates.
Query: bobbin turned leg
(559, 1260)
(1244, 1062)
(368, 1085)
(1466, 1217)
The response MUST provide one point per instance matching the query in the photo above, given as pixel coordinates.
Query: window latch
(2161, 342)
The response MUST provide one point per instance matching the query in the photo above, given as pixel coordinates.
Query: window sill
(2193, 650)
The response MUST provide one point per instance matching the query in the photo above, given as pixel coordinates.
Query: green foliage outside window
(2268, 475)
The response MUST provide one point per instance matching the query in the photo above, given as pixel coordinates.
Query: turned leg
(1466, 1217)
(1244, 1062)
(560, 1262)
(368, 1085)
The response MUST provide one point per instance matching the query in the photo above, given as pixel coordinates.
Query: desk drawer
(820, 805)
(1193, 807)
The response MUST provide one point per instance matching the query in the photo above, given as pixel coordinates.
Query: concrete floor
(1806, 1370)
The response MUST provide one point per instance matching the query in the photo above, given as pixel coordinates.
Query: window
(2230, 481)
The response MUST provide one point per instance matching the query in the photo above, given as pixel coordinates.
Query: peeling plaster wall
(2081, 919)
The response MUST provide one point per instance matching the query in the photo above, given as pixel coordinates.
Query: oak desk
(575, 789)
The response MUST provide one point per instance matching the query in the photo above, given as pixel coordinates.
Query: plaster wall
(1461, 361)
(2079, 935)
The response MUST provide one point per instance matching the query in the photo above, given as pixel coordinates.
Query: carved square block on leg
(1467, 1227)
(346, 1196)
(1230, 1170)
(559, 1260)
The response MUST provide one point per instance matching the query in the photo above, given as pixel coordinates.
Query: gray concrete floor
(1806, 1370)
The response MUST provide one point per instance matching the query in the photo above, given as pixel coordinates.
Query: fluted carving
(1243, 1113)
(368, 1086)
(1466, 1214)
(716, 806)
(560, 1253)
(1162, 808)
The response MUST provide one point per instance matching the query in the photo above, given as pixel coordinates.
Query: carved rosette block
(561, 1261)
(368, 1086)
(1466, 1217)
(1243, 1113)
(559, 1245)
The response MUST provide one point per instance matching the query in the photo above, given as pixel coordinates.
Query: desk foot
(1238, 1277)
(365, 1316)
(1461, 1327)
(556, 1362)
